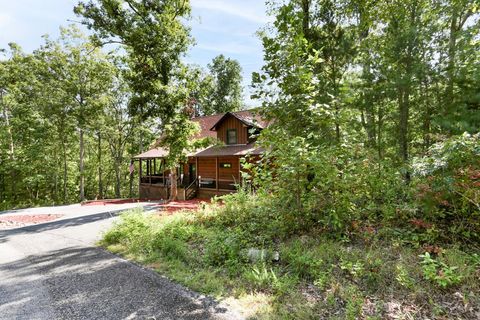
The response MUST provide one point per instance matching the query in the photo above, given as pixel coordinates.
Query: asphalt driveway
(54, 271)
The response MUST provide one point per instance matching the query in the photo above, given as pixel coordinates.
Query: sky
(219, 27)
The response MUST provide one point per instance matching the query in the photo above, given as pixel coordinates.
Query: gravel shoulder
(54, 271)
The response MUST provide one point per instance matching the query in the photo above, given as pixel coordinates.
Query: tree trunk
(335, 101)
(11, 147)
(65, 170)
(117, 178)
(403, 104)
(100, 173)
(173, 183)
(380, 132)
(6, 116)
(130, 183)
(404, 90)
(306, 18)
(55, 178)
(82, 173)
(427, 119)
(452, 50)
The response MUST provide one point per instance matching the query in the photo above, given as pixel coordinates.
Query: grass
(316, 276)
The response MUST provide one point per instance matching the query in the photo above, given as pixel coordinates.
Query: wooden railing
(153, 179)
(191, 190)
(227, 184)
(206, 183)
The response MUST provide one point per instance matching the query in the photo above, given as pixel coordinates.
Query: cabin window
(225, 165)
(232, 136)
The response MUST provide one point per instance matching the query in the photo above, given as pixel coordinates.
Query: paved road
(54, 271)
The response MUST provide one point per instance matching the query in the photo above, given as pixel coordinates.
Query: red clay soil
(164, 208)
(114, 201)
(174, 206)
(9, 222)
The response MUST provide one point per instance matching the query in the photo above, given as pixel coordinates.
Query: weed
(403, 277)
(439, 272)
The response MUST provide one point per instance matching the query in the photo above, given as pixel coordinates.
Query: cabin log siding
(233, 123)
(232, 173)
(206, 168)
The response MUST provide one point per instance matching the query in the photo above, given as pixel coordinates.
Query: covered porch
(154, 177)
(219, 174)
(206, 173)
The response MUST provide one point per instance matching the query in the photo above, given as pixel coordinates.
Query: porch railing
(223, 184)
(227, 185)
(191, 190)
(153, 179)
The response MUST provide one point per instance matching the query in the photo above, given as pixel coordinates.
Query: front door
(192, 172)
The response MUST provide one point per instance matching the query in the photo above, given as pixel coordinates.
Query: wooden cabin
(207, 172)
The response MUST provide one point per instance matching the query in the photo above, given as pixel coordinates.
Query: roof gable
(244, 117)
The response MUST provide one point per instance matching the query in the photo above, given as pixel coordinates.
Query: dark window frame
(228, 136)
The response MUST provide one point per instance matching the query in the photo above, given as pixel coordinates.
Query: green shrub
(170, 248)
(134, 230)
(403, 277)
(301, 261)
(439, 272)
(223, 249)
(261, 276)
(447, 187)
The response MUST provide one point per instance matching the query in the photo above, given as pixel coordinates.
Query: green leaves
(154, 37)
(439, 272)
(225, 93)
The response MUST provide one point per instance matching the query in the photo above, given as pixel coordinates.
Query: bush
(223, 249)
(301, 262)
(253, 218)
(447, 188)
(134, 230)
(172, 249)
(439, 272)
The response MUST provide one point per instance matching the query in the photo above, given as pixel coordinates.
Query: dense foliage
(225, 93)
(73, 113)
(219, 89)
(368, 192)
(66, 131)
(358, 92)
(308, 276)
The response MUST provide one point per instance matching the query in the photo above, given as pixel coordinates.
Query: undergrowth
(316, 276)
(330, 235)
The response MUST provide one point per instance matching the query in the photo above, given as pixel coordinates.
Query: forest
(369, 189)
(68, 123)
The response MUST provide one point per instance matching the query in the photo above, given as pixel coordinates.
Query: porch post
(154, 166)
(140, 171)
(149, 170)
(163, 171)
(196, 167)
(216, 171)
(239, 172)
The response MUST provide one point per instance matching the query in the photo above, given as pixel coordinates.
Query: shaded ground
(52, 270)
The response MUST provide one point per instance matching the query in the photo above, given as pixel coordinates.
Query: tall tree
(225, 82)
(87, 76)
(154, 37)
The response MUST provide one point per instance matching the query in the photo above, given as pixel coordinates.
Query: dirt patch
(17, 221)
(174, 206)
(104, 202)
